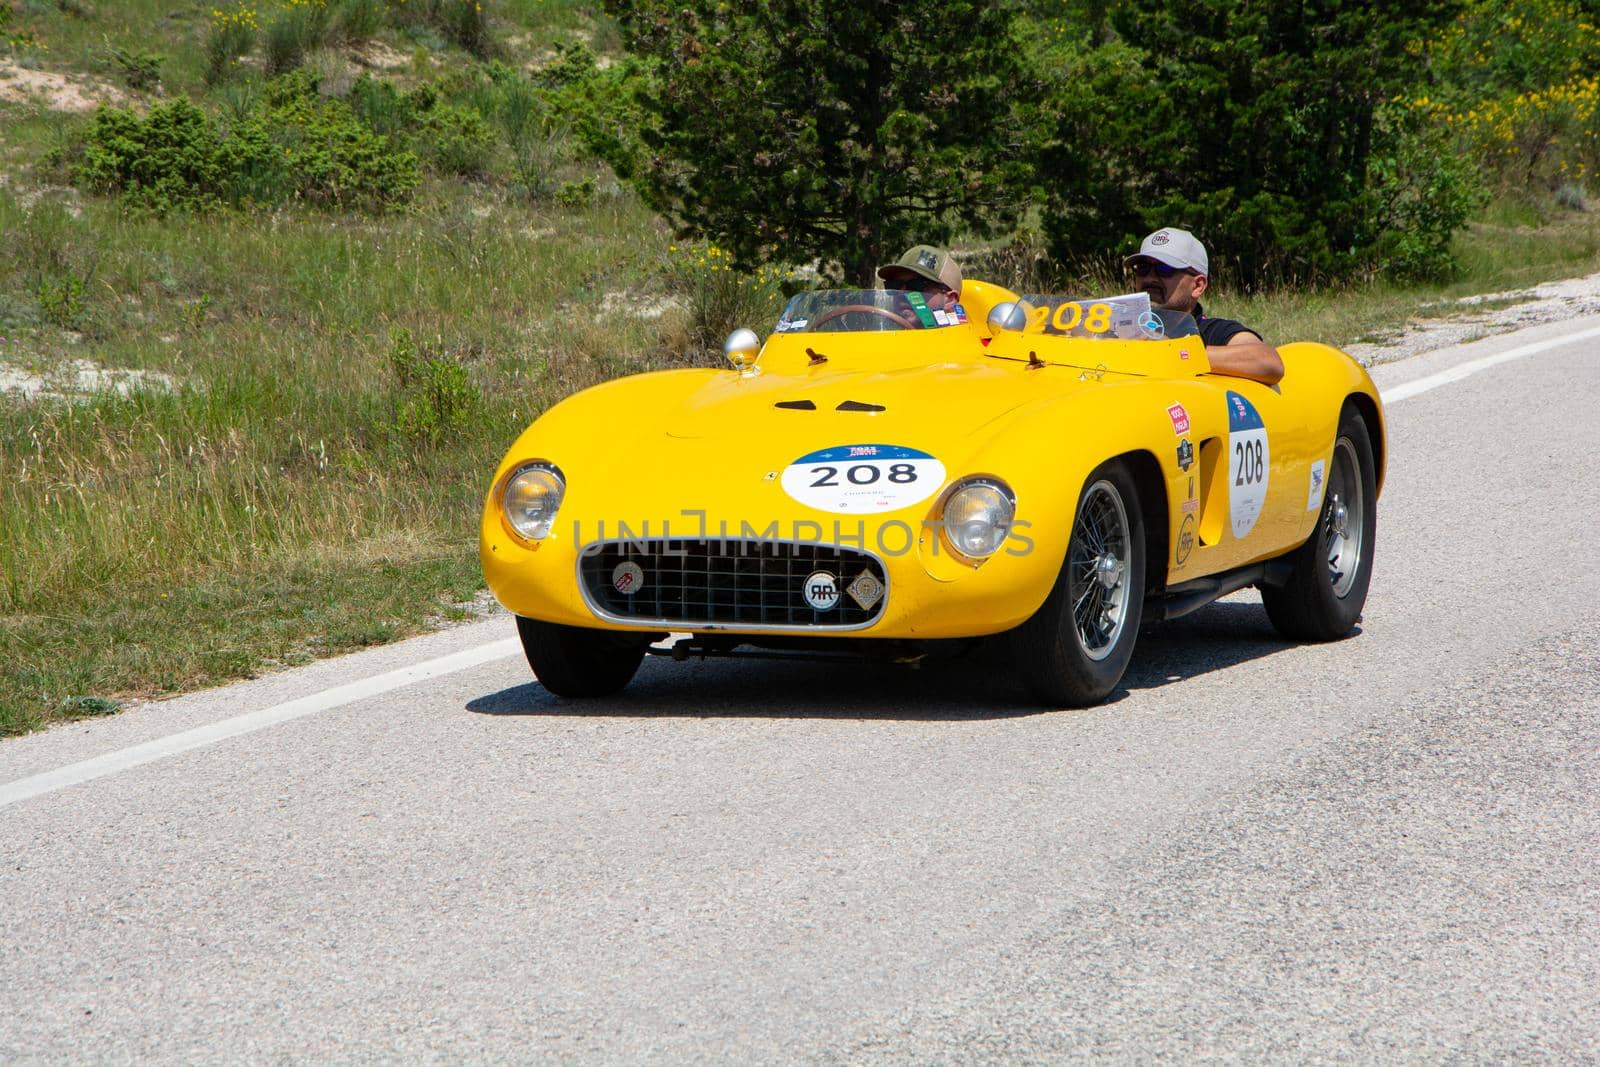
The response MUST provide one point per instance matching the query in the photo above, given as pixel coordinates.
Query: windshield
(1113, 318)
(1110, 318)
(864, 311)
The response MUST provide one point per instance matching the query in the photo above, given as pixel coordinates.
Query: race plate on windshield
(863, 479)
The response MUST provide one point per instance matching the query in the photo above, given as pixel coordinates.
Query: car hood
(941, 403)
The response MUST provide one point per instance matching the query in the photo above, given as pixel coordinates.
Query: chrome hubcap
(1109, 570)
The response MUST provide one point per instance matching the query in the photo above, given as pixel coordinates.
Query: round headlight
(977, 517)
(530, 500)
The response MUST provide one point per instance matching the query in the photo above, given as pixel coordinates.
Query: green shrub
(61, 299)
(383, 108)
(329, 156)
(295, 31)
(166, 161)
(458, 141)
(1424, 191)
(464, 23)
(721, 297)
(436, 399)
(82, 706)
(536, 135)
(141, 70)
(357, 21)
(292, 144)
(579, 193)
(229, 35)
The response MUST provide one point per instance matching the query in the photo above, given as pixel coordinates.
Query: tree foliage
(1256, 123)
(791, 129)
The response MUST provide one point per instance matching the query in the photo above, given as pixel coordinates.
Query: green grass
(165, 541)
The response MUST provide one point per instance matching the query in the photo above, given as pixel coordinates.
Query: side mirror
(1007, 316)
(742, 348)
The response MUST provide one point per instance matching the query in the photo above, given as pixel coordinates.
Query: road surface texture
(1384, 848)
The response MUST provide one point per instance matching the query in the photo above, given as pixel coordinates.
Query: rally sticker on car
(1314, 490)
(1250, 462)
(863, 479)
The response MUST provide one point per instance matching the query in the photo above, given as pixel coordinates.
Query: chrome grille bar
(710, 583)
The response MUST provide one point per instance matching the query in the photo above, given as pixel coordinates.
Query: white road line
(162, 747)
(1467, 370)
(99, 767)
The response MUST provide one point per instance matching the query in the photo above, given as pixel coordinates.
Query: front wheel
(1327, 587)
(1075, 648)
(575, 662)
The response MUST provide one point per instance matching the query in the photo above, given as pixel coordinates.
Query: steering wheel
(829, 316)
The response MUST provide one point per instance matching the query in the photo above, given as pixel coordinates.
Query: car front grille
(732, 582)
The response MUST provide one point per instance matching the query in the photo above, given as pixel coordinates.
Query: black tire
(573, 662)
(1075, 658)
(1323, 598)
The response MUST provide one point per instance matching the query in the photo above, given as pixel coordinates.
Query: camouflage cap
(925, 261)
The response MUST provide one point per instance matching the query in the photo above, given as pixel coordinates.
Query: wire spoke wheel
(1075, 648)
(1343, 518)
(1326, 588)
(1098, 570)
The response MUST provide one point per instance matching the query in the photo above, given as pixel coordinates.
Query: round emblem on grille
(821, 591)
(627, 577)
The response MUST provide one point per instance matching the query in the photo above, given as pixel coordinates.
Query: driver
(1171, 266)
(932, 281)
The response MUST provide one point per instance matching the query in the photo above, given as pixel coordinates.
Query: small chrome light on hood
(1007, 316)
(742, 348)
(976, 516)
(530, 498)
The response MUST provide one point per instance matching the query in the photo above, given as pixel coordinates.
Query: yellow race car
(1041, 471)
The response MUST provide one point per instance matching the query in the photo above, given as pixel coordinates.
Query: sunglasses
(911, 284)
(1150, 266)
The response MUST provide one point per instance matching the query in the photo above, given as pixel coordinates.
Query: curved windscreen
(864, 311)
(1111, 318)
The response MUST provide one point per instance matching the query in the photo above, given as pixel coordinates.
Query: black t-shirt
(1217, 332)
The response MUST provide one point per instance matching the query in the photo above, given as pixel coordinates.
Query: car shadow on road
(1214, 638)
(973, 687)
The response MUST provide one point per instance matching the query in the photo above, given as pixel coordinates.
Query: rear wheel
(574, 662)
(1076, 647)
(1327, 588)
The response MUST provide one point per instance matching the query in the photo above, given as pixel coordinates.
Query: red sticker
(1179, 417)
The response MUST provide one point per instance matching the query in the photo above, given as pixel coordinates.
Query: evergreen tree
(797, 129)
(1255, 123)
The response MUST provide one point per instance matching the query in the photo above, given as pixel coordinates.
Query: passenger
(1171, 266)
(933, 273)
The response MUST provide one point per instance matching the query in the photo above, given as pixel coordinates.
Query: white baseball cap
(1175, 248)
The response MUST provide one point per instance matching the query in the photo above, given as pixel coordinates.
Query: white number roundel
(863, 479)
(1249, 464)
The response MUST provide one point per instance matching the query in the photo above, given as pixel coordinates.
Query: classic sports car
(877, 477)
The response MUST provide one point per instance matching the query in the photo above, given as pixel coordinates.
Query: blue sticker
(1242, 415)
(1249, 465)
(844, 452)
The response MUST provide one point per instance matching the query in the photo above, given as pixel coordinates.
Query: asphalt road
(1386, 848)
